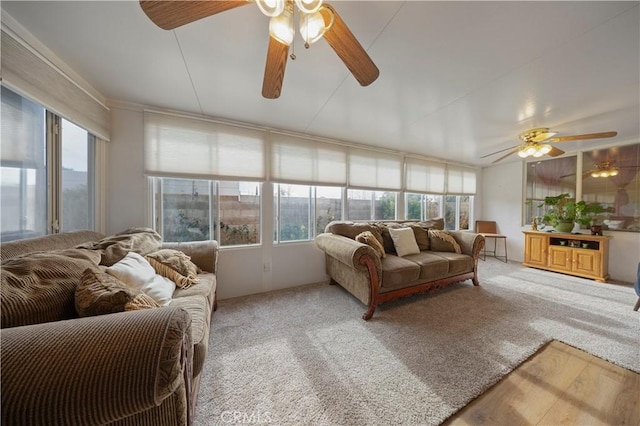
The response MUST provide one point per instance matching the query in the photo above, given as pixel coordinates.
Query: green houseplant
(562, 212)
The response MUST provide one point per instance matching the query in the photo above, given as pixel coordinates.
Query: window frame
(52, 195)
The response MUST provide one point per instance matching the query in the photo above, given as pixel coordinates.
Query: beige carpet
(303, 356)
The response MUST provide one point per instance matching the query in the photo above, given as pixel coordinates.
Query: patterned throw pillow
(100, 293)
(175, 265)
(443, 241)
(369, 239)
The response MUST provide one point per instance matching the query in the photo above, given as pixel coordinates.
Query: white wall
(503, 201)
(242, 271)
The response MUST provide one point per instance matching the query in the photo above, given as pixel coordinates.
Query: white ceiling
(458, 80)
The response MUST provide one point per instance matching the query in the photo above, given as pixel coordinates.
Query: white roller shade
(461, 180)
(299, 160)
(375, 170)
(23, 132)
(31, 75)
(424, 176)
(193, 148)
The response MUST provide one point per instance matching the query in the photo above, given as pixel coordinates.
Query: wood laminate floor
(559, 385)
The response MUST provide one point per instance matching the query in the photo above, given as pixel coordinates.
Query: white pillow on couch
(404, 241)
(137, 272)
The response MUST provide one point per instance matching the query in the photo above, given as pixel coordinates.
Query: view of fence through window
(193, 210)
(189, 208)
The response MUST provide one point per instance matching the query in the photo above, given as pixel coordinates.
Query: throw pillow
(369, 239)
(443, 241)
(422, 236)
(174, 265)
(404, 241)
(136, 272)
(100, 293)
(387, 241)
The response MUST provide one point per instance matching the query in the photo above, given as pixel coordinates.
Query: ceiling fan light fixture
(544, 149)
(281, 27)
(271, 8)
(308, 6)
(613, 172)
(312, 27)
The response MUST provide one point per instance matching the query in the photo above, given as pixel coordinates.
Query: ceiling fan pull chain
(293, 50)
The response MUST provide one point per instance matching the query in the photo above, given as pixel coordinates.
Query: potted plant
(560, 212)
(563, 212)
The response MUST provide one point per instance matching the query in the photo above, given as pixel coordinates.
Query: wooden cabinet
(535, 251)
(576, 254)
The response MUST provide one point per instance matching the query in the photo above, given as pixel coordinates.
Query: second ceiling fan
(536, 143)
(317, 20)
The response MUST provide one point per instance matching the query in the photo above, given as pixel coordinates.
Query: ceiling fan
(535, 142)
(317, 20)
(603, 169)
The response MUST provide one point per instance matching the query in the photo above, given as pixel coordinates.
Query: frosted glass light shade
(271, 8)
(281, 27)
(308, 6)
(312, 27)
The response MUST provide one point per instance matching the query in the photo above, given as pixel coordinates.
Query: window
(196, 210)
(47, 171)
(545, 178)
(302, 211)
(422, 206)
(77, 173)
(328, 206)
(457, 212)
(611, 177)
(293, 219)
(368, 205)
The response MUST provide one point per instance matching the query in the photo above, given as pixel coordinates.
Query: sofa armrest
(470, 242)
(346, 250)
(93, 370)
(202, 253)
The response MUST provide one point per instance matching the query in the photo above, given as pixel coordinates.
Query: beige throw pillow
(368, 238)
(404, 241)
(443, 241)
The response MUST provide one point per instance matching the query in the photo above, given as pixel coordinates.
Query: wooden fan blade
(348, 48)
(504, 156)
(274, 69)
(497, 152)
(585, 136)
(170, 14)
(555, 152)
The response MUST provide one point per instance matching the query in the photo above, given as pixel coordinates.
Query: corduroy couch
(373, 279)
(138, 367)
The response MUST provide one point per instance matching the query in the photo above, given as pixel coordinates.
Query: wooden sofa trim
(376, 297)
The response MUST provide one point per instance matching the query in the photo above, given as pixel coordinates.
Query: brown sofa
(139, 367)
(373, 280)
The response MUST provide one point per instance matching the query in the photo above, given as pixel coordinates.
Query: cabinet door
(560, 258)
(535, 252)
(587, 262)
